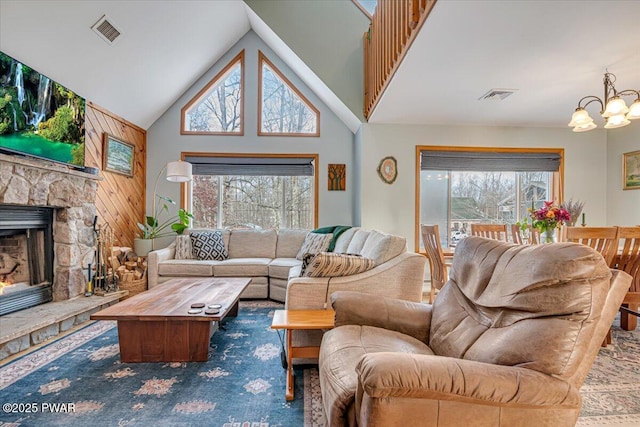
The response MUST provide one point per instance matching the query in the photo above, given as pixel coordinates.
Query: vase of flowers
(547, 219)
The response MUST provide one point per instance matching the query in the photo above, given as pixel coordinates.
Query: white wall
(327, 36)
(391, 208)
(623, 206)
(335, 144)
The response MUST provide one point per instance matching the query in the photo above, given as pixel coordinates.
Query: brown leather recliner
(507, 342)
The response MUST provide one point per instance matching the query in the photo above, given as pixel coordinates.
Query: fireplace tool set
(102, 280)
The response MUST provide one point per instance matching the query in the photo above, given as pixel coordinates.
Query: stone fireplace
(69, 195)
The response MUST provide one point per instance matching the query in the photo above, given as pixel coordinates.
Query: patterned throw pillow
(329, 264)
(184, 250)
(314, 243)
(306, 260)
(208, 245)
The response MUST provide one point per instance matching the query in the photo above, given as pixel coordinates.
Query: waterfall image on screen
(39, 117)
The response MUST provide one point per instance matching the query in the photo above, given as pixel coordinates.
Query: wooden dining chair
(628, 260)
(437, 265)
(490, 231)
(602, 239)
(517, 237)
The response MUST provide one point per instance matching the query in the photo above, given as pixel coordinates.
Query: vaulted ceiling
(552, 52)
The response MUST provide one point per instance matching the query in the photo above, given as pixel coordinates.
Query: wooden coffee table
(292, 320)
(155, 326)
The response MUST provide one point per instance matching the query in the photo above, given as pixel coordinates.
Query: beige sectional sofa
(263, 255)
(269, 258)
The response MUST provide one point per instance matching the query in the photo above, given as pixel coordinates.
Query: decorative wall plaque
(388, 169)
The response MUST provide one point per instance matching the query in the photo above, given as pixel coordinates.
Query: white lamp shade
(179, 171)
(580, 117)
(616, 121)
(634, 110)
(616, 105)
(585, 128)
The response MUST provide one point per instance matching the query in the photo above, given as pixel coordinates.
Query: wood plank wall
(121, 199)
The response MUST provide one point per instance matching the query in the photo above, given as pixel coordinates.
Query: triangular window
(218, 107)
(284, 111)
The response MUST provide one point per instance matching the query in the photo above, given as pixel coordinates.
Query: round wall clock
(388, 169)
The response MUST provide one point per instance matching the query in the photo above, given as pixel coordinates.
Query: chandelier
(613, 108)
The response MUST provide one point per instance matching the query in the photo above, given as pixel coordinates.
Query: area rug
(78, 380)
(611, 391)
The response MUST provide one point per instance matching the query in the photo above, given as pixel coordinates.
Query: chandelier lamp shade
(613, 108)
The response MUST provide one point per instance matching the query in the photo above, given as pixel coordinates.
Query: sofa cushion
(253, 244)
(186, 267)
(208, 245)
(184, 249)
(295, 272)
(342, 242)
(381, 247)
(242, 267)
(314, 243)
(357, 242)
(289, 242)
(279, 267)
(329, 264)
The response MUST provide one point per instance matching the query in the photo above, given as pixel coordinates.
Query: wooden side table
(291, 320)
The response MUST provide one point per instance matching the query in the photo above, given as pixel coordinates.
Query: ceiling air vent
(497, 94)
(106, 30)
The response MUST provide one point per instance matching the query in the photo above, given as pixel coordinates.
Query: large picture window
(253, 191)
(459, 187)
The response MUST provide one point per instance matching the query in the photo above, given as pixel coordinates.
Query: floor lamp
(177, 171)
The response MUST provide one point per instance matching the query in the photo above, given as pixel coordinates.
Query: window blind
(252, 166)
(490, 161)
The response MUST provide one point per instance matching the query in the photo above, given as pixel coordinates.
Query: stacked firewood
(127, 265)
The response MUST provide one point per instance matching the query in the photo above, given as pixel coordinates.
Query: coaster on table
(195, 311)
(197, 305)
(212, 311)
(215, 306)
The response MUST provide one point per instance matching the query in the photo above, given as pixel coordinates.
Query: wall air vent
(105, 29)
(497, 94)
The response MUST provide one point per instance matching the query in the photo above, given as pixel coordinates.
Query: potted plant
(154, 227)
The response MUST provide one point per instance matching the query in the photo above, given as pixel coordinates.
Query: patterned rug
(78, 380)
(611, 391)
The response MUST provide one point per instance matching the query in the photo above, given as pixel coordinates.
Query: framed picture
(118, 155)
(337, 176)
(631, 170)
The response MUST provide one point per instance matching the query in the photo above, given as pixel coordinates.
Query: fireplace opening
(26, 257)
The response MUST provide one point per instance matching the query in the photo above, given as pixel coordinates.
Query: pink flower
(549, 216)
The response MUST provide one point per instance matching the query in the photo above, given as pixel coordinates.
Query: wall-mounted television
(39, 117)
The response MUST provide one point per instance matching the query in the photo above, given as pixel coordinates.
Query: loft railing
(394, 25)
